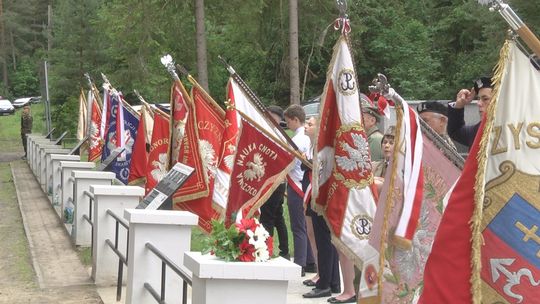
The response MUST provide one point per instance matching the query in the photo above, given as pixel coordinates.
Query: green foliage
(25, 81)
(223, 242)
(428, 49)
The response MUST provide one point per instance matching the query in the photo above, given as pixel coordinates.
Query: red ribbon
(343, 24)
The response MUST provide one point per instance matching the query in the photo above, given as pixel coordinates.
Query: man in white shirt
(303, 256)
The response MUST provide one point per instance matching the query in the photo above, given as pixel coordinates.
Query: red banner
(95, 142)
(259, 166)
(156, 167)
(139, 157)
(208, 118)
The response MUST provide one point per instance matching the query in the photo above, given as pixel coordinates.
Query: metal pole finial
(87, 76)
(342, 7)
(168, 62)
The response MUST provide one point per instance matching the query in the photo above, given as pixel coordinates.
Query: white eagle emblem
(358, 156)
(229, 158)
(159, 170)
(256, 168)
(94, 135)
(208, 157)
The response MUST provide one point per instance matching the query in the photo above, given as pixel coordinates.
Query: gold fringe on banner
(479, 187)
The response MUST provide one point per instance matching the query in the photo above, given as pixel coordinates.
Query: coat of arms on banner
(511, 255)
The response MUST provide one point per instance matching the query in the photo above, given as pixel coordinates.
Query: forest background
(428, 49)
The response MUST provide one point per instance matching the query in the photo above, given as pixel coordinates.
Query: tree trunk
(293, 52)
(13, 56)
(3, 54)
(202, 62)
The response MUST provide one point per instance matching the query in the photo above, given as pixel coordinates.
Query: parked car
(36, 99)
(21, 102)
(6, 107)
(311, 106)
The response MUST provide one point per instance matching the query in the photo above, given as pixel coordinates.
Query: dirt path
(19, 282)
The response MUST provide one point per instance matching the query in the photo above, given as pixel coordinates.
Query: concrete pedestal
(216, 281)
(170, 233)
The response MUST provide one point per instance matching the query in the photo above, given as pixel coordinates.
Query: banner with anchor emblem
(342, 174)
(511, 206)
(121, 132)
(496, 202)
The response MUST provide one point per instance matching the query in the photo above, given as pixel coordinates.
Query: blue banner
(120, 166)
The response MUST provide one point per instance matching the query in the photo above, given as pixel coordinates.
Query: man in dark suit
(458, 131)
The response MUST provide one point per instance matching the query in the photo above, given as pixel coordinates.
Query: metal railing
(122, 259)
(88, 218)
(165, 261)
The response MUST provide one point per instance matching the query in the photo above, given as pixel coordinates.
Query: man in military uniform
(435, 114)
(458, 131)
(26, 126)
(371, 116)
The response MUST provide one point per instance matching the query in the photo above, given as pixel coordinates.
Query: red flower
(246, 251)
(246, 224)
(270, 246)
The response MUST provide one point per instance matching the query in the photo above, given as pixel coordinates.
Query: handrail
(118, 219)
(177, 269)
(165, 261)
(123, 260)
(118, 253)
(89, 194)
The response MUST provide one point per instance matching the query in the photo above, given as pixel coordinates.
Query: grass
(15, 252)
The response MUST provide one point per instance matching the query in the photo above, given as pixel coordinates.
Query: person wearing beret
(435, 114)
(458, 131)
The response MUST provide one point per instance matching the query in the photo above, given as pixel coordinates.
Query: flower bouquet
(246, 241)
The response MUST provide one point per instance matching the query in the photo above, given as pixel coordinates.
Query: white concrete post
(56, 176)
(116, 199)
(170, 233)
(82, 230)
(43, 167)
(35, 152)
(40, 153)
(219, 282)
(32, 139)
(68, 182)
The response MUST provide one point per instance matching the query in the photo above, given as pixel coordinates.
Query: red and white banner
(342, 173)
(156, 166)
(487, 244)
(179, 113)
(95, 140)
(208, 118)
(139, 156)
(237, 100)
(260, 165)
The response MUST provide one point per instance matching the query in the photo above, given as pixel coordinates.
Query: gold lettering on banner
(208, 126)
(533, 129)
(267, 151)
(515, 132)
(529, 234)
(159, 142)
(529, 138)
(494, 148)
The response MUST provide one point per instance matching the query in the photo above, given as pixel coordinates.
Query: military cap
(432, 106)
(482, 82)
(368, 106)
(390, 131)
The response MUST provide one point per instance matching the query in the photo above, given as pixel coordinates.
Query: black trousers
(272, 216)
(327, 255)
